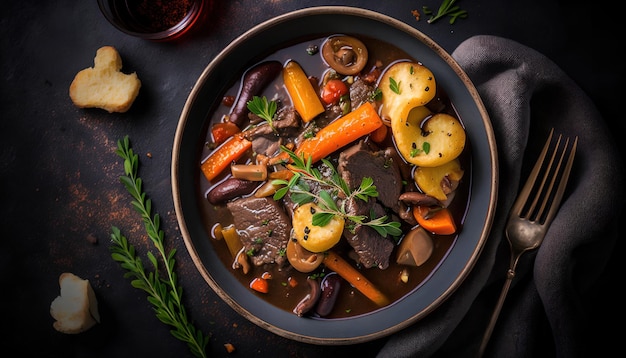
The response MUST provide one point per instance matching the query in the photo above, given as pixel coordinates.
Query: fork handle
(496, 312)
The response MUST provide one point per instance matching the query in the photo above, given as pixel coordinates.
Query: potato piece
(440, 139)
(315, 238)
(428, 179)
(76, 309)
(416, 247)
(406, 132)
(404, 86)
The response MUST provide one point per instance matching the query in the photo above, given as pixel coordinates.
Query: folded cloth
(547, 310)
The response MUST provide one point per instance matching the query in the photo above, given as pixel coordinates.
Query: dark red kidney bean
(254, 81)
(331, 284)
(311, 298)
(229, 189)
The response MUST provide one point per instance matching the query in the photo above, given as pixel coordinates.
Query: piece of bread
(104, 85)
(76, 309)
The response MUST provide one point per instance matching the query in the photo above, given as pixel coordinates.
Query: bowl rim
(338, 336)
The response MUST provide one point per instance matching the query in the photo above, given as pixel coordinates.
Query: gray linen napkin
(547, 310)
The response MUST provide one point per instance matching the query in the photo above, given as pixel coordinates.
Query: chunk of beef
(267, 139)
(360, 92)
(359, 161)
(372, 249)
(263, 228)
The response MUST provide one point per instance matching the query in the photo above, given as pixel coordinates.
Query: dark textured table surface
(59, 174)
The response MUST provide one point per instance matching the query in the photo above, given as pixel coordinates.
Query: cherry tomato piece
(333, 90)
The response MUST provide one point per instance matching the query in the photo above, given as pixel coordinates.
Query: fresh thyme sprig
(326, 198)
(263, 108)
(164, 294)
(447, 8)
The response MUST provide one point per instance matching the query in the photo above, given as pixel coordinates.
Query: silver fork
(533, 211)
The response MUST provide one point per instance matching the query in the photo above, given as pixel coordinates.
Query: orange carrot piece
(439, 222)
(343, 268)
(303, 96)
(379, 135)
(222, 131)
(282, 157)
(341, 132)
(283, 174)
(224, 155)
(260, 285)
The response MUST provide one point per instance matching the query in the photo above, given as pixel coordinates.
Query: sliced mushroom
(302, 259)
(416, 247)
(417, 198)
(310, 299)
(345, 54)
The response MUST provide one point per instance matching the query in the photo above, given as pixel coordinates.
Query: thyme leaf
(394, 86)
(164, 293)
(327, 198)
(447, 8)
(263, 108)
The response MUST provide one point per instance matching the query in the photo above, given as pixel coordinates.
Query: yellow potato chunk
(428, 179)
(440, 139)
(315, 238)
(404, 86)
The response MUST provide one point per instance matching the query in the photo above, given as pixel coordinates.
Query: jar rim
(192, 16)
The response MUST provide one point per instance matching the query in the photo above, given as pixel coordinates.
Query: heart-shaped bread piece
(104, 85)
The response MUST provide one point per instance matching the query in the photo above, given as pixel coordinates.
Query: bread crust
(104, 85)
(76, 308)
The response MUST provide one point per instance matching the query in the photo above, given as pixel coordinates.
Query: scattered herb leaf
(394, 86)
(164, 294)
(263, 108)
(377, 94)
(447, 8)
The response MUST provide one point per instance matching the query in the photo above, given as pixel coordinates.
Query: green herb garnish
(164, 294)
(326, 198)
(376, 95)
(394, 86)
(447, 8)
(425, 148)
(263, 108)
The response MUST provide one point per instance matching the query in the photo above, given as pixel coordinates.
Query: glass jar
(156, 20)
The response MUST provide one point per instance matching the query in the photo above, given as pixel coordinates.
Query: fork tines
(553, 167)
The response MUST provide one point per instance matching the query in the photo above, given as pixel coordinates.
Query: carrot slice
(341, 132)
(379, 135)
(233, 242)
(439, 222)
(224, 155)
(260, 285)
(343, 268)
(303, 96)
(222, 131)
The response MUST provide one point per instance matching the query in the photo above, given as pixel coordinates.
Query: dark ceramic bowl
(190, 136)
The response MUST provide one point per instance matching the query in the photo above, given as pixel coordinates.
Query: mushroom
(416, 247)
(345, 54)
(310, 299)
(302, 259)
(417, 198)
